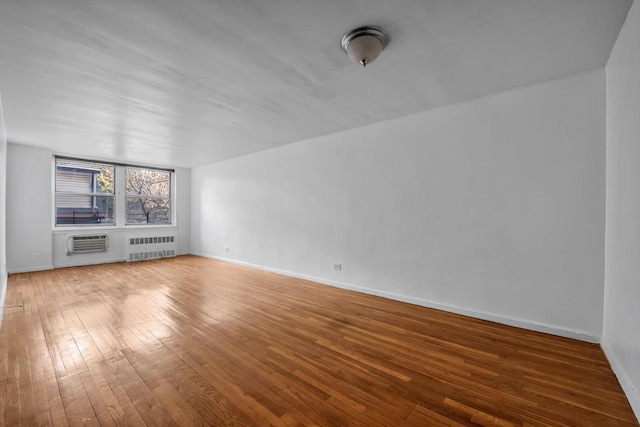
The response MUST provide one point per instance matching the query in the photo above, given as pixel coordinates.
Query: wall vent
(82, 244)
(141, 248)
(139, 256)
(151, 240)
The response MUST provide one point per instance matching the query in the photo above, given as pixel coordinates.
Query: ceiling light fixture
(364, 44)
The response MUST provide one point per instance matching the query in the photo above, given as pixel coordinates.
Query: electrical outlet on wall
(226, 249)
(337, 266)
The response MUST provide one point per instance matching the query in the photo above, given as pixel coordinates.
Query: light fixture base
(364, 44)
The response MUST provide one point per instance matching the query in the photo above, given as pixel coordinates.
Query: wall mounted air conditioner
(87, 243)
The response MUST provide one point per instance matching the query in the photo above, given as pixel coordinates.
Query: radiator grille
(85, 244)
(150, 247)
(139, 256)
(151, 240)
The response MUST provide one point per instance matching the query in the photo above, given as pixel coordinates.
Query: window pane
(75, 176)
(148, 210)
(79, 185)
(148, 182)
(78, 209)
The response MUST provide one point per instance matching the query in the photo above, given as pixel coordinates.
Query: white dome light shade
(364, 44)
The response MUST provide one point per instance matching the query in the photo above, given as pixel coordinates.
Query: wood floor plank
(191, 341)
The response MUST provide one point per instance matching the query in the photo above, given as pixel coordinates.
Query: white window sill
(107, 228)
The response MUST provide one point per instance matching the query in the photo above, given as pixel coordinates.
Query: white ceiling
(185, 83)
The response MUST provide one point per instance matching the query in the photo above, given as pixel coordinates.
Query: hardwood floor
(191, 341)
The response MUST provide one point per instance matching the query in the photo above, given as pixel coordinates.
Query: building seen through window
(84, 193)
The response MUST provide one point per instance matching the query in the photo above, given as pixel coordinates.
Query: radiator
(150, 247)
(86, 243)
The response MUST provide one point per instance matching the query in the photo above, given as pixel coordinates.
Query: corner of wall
(3, 293)
(623, 378)
(621, 341)
(184, 211)
(3, 211)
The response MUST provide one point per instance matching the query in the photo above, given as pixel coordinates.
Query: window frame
(119, 197)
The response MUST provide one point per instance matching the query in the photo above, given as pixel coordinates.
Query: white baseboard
(76, 264)
(30, 269)
(80, 264)
(538, 327)
(632, 393)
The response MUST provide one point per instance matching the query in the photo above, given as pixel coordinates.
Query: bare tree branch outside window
(148, 196)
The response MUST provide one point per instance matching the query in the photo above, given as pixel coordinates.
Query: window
(90, 193)
(84, 193)
(148, 198)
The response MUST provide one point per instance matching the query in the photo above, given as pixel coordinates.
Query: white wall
(32, 243)
(493, 207)
(3, 210)
(28, 208)
(622, 279)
